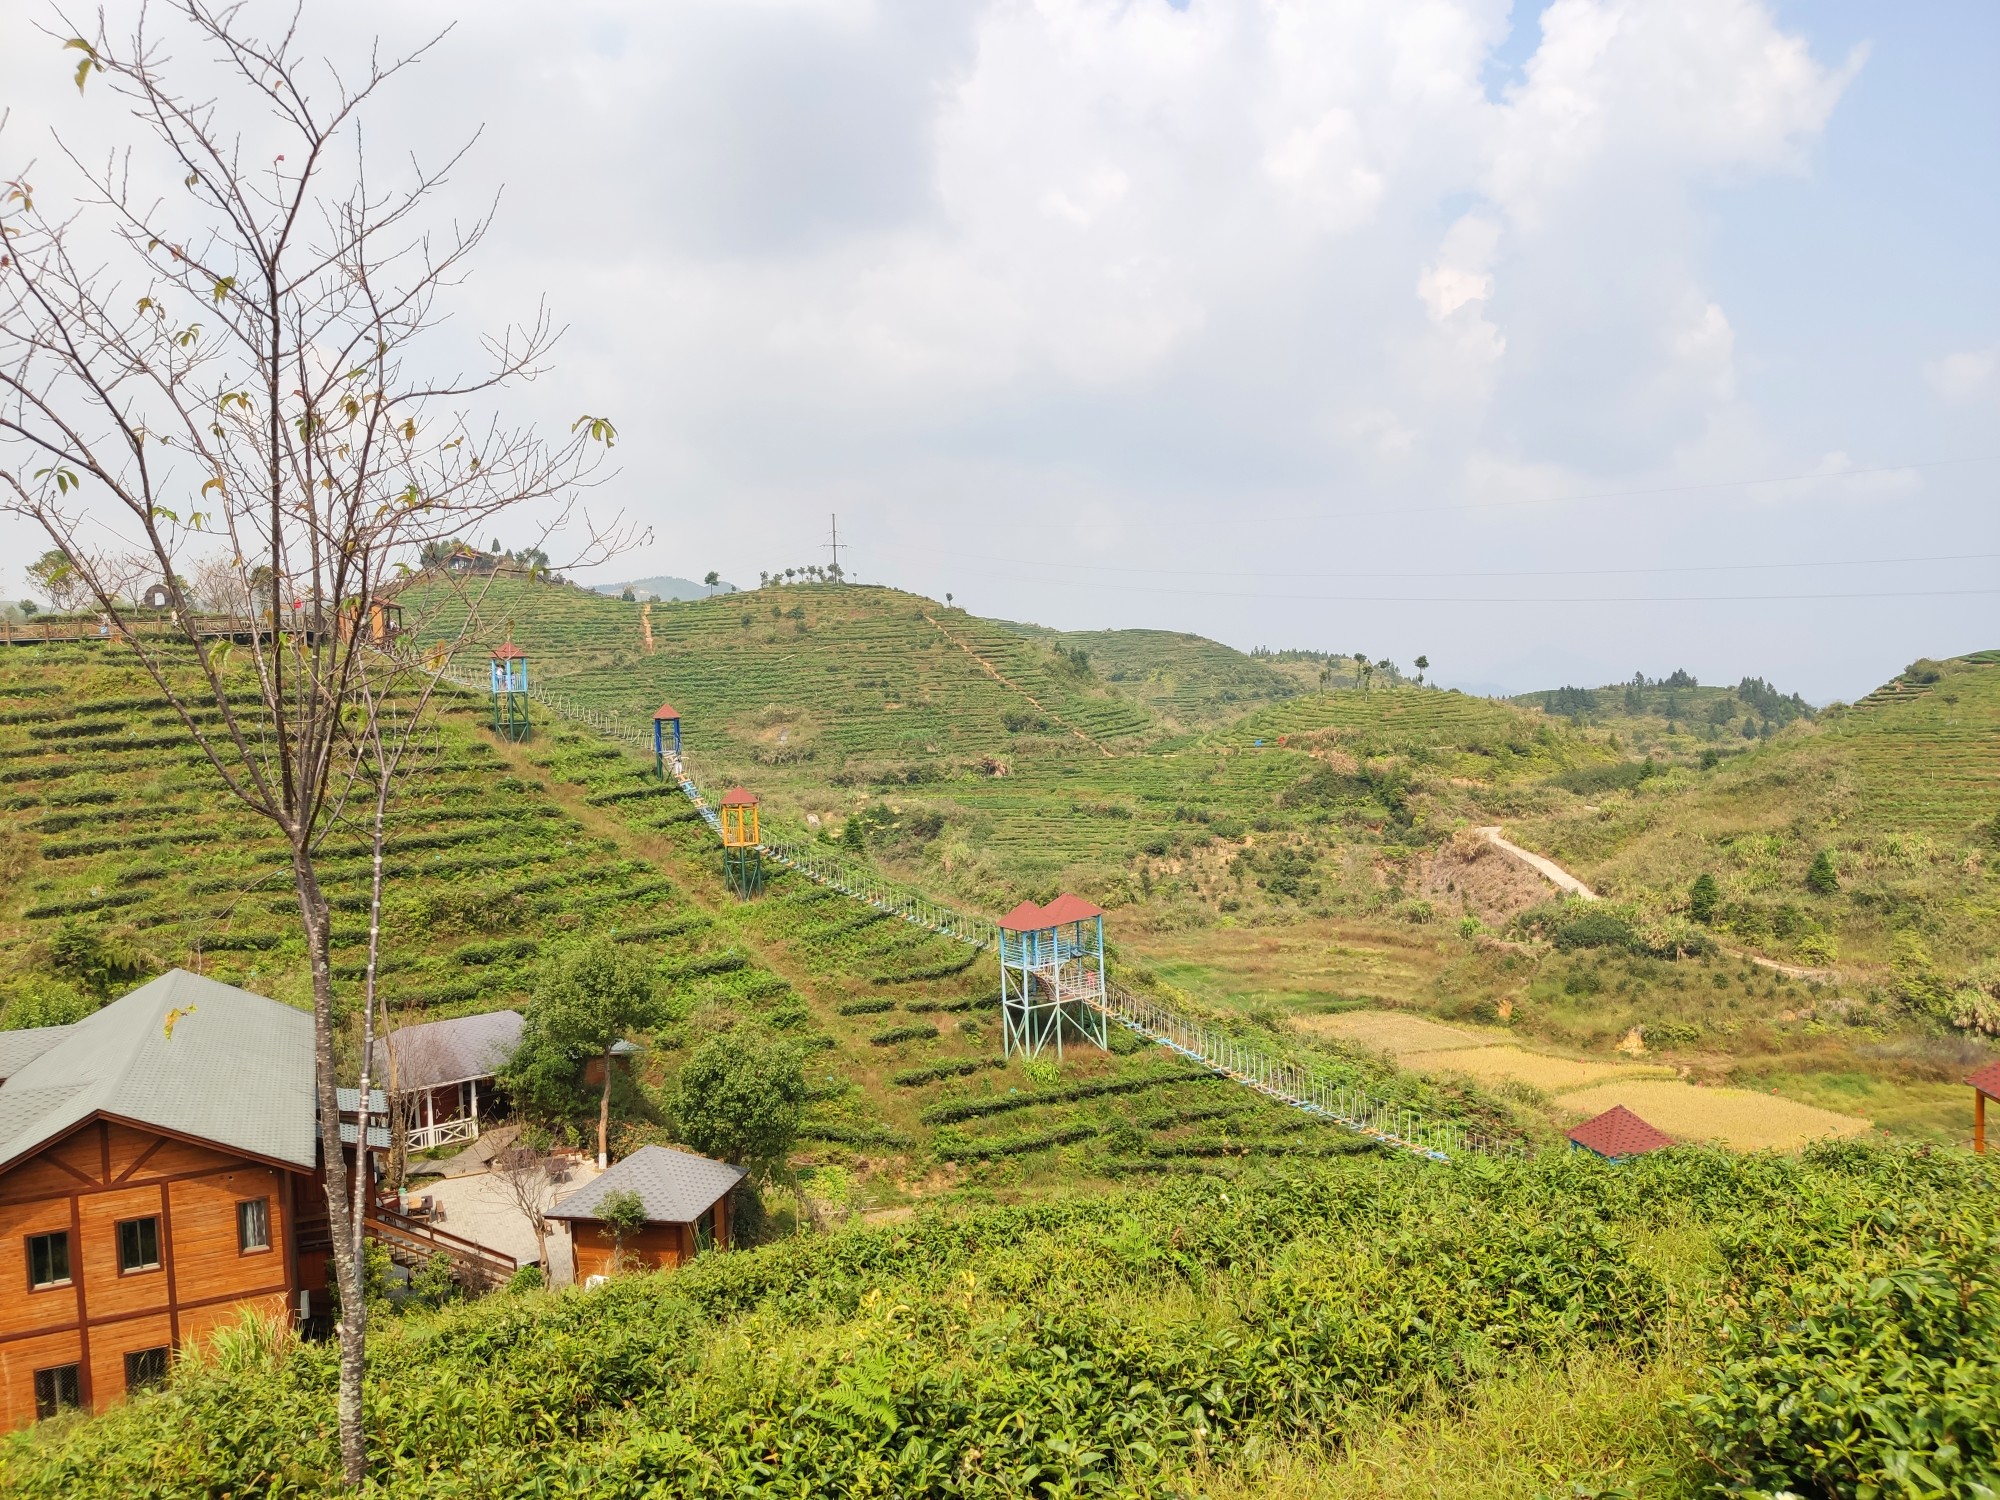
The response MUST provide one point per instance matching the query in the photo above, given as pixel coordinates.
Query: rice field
(1738, 1118)
(1395, 1032)
(1552, 1075)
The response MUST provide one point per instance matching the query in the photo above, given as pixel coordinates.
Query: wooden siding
(656, 1247)
(100, 1175)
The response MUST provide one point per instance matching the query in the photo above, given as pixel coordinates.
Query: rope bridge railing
(1201, 1042)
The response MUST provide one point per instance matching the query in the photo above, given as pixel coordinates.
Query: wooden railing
(479, 1264)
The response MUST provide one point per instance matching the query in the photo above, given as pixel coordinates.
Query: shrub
(1703, 897)
(1593, 927)
(1871, 1374)
(739, 1096)
(1822, 879)
(895, 1034)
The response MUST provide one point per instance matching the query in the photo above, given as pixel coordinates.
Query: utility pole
(835, 545)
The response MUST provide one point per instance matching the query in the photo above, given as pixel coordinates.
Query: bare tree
(240, 362)
(529, 1178)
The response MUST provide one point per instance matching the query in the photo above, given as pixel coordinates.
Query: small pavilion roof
(1069, 908)
(667, 711)
(676, 1187)
(1618, 1133)
(508, 652)
(1987, 1080)
(736, 796)
(436, 1053)
(1027, 917)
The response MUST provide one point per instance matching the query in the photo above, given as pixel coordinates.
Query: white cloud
(1969, 376)
(1114, 268)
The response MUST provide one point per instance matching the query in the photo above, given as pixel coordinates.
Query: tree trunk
(604, 1117)
(346, 1263)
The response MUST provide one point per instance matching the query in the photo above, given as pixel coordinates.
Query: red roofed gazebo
(742, 856)
(1985, 1085)
(1617, 1134)
(1027, 917)
(666, 714)
(1052, 976)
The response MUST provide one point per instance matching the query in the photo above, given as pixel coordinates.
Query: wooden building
(438, 1070)
(159, 1172)
(1985, 1085)
(1617, 1134)
(686, 1199)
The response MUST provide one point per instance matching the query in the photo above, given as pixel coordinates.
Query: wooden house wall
(86, 1184)
(656, 1247)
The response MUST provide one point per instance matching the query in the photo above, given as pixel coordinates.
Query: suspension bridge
(1202, 1042)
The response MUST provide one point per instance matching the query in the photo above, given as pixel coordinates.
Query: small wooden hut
(686, 1199)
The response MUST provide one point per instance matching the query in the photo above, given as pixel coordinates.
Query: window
(253, 1225)
(145, 1368)
(139, 1245)
(56, 1390)
(48, 1260)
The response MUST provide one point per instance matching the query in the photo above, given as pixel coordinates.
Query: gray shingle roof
(237, 1070)
(676, 1186)
(19, 1048)
(441, 1052)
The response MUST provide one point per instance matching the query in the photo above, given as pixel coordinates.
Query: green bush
(1593, 927)
(1876, 1373)
(1823, 879)
(1703, 897)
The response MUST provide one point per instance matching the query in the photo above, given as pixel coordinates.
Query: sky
(1553, 343)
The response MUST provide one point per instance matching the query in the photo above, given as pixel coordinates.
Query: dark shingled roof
(183, 1053)
(1618, 1133)
(1987, 1080)
(441, 1052)
(677, 1187)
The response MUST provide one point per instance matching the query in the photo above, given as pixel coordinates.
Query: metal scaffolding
(1052, 977)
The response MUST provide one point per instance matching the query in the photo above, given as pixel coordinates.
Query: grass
(1592, 1425)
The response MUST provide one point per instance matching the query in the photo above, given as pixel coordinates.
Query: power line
(1131, 588)
(1854, 562)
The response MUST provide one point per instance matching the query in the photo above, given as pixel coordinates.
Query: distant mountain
(665, 587)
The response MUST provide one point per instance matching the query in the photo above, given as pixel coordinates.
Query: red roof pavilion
(508, 652)
(667, 711)
(1987, 1080)
(1617, 1134)
(1069, 908)
(736, 796)
(1027, 917)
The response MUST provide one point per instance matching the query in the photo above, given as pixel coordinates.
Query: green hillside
(1187, 681)
(994, 760)
(123, 858)
(1900, 791)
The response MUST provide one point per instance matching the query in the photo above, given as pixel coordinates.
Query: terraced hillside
(993, 761)
(1901, 792)
(1187, 681)
(124, 858)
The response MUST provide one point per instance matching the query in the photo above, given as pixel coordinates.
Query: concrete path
(1548, 869)
(479, 1207)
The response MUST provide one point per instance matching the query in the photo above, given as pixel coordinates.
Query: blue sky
(1430, 328)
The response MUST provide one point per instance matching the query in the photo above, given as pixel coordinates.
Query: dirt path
(994, 672)
(1548, 869)
(646, 625)
(1562, 878)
